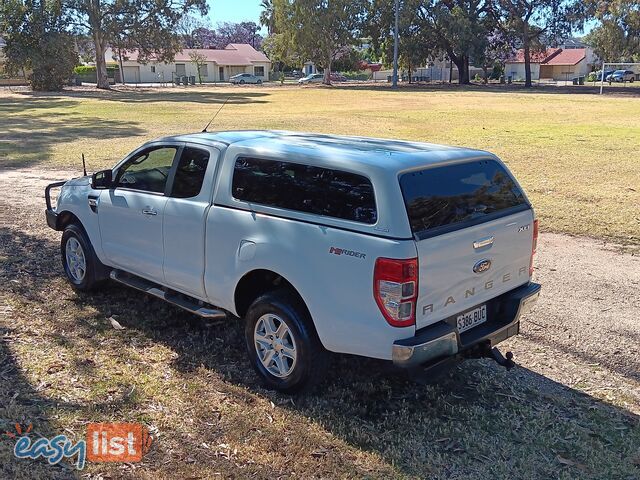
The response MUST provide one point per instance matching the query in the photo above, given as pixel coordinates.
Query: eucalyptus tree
(617, 36)
(534, 23)
(316, 30)
(148, 26)
(37, 41)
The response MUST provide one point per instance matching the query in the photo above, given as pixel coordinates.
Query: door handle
(484, 242)
(149, 211)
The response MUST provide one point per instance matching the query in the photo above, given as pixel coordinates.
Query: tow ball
(500, 359)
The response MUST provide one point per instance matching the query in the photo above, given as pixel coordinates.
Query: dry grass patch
(63, 365)
(576, 155)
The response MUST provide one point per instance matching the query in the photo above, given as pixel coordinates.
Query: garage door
(132, 74)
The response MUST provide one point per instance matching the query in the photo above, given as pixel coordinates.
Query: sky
(241, 10)
(234, 11)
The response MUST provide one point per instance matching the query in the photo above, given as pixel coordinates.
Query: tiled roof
(238, 54)
(571, 56)
(553, 56)
(536, 57)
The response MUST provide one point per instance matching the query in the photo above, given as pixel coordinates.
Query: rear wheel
(259, 82)
(282, 343)
(81, 265)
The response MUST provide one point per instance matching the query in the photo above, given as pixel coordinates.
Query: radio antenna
(214, 117)
(84, 166)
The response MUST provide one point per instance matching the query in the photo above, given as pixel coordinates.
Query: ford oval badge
(482, 266)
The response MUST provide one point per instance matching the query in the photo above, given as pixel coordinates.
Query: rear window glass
(444, 198)
(304, 188)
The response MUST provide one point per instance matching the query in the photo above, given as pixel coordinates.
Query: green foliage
(535, 22)
(88, 70)
(148, 26)
(617, 38)
(37, 42)
(317, 31)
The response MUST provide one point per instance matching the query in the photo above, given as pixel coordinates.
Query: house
(218, 66)
(552, 64)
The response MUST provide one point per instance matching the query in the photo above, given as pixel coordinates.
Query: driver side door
(131, 213)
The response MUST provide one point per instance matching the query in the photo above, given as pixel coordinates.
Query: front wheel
(81, 265)
(241, 82)
(282, 343)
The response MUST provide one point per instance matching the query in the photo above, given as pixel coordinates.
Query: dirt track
(584, 332)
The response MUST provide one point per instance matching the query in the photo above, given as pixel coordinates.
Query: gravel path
(584, 332)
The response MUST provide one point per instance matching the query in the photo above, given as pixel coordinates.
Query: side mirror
(102, 180)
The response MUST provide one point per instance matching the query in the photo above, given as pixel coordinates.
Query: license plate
(472, 318)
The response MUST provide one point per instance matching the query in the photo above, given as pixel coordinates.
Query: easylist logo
(117, 442)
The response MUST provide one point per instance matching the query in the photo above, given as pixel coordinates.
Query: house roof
(536, 57)
(571, 56)
(553, 56)
(239, 54)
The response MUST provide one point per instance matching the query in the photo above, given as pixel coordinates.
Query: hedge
(91, 70)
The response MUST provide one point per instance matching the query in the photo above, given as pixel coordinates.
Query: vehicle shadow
(476, 422)
(31, 127)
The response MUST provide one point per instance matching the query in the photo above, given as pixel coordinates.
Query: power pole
(395, 49)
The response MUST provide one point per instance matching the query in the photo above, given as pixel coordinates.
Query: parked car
(312, 78)
(597, 75)
(337, 77)
(408, 252)
(622, 76)
(243, 78)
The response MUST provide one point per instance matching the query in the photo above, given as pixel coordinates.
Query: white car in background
(312, 78)
(243, 78)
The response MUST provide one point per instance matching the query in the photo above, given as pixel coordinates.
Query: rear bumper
(440, 340)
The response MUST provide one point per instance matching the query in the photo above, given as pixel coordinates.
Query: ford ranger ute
(408, 252)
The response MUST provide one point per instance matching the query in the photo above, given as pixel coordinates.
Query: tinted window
(321, 191)
(147, 171)
(190, 173)
(466, 192)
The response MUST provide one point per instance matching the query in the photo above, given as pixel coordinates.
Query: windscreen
(449, 197)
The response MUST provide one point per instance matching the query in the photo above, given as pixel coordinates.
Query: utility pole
(395, 49)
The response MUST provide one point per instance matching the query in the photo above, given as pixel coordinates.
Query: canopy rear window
(449, 197)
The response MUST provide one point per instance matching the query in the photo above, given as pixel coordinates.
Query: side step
(177, 299)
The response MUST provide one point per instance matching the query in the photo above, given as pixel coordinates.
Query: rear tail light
(534, 245)
(395, 288)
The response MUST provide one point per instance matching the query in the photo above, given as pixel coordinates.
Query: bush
(356, 76)
(91, 70)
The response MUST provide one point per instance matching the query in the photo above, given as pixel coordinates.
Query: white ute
(409, 252)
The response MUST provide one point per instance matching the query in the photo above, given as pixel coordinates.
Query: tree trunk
(121, 68)
(101, 64)
(486, 74)
(327, 73)
(461, 65)
(527, 59)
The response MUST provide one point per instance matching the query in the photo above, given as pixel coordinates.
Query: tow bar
(507, 362)
(485, 351)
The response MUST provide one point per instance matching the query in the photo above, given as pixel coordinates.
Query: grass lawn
(563, 413)
(577, 156)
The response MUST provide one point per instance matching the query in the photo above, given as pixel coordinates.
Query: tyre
(282, 343)
(81, 265)
(259, 82)
(241, 82)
